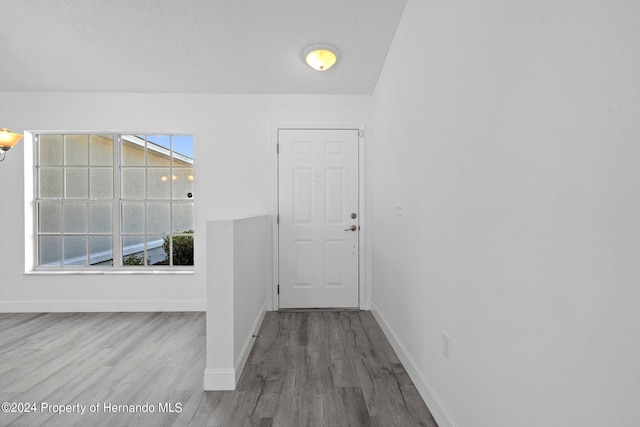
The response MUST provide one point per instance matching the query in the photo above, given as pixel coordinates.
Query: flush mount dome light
(321, 57)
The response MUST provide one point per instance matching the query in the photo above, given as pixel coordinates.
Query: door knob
(352, 228)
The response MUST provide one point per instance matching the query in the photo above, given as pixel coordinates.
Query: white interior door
(318, 223)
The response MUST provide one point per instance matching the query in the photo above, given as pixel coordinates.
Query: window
(114, 200)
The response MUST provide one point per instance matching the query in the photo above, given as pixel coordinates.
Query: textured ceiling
(198, 46)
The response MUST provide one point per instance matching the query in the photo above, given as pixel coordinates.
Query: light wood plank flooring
(307, 369)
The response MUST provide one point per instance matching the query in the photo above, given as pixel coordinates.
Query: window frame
(117, 202)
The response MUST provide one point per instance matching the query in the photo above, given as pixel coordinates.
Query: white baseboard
(227, 379)
(219, 379)
(79, 306)
(248, 343)
(438, 410)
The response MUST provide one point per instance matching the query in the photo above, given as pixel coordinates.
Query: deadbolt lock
(354, 216)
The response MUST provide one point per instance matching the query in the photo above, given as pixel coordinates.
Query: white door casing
(318, 197)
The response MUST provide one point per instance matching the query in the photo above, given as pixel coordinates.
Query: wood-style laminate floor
(307, 369)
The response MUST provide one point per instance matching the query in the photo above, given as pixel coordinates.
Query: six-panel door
(318, 208)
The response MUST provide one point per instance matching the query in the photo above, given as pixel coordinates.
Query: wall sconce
(7, 140)
(321, 57)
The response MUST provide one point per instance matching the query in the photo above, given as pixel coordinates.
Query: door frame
(364, 293)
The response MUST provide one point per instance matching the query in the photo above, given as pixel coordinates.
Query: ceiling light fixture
(7, 140)
(321, 57)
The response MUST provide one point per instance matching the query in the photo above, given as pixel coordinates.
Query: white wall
(233, 178)
(510, 132)
(239, 282)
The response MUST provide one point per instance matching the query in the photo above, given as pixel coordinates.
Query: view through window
(114, 200)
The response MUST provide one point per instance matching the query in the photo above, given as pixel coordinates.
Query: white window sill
(109, 272)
